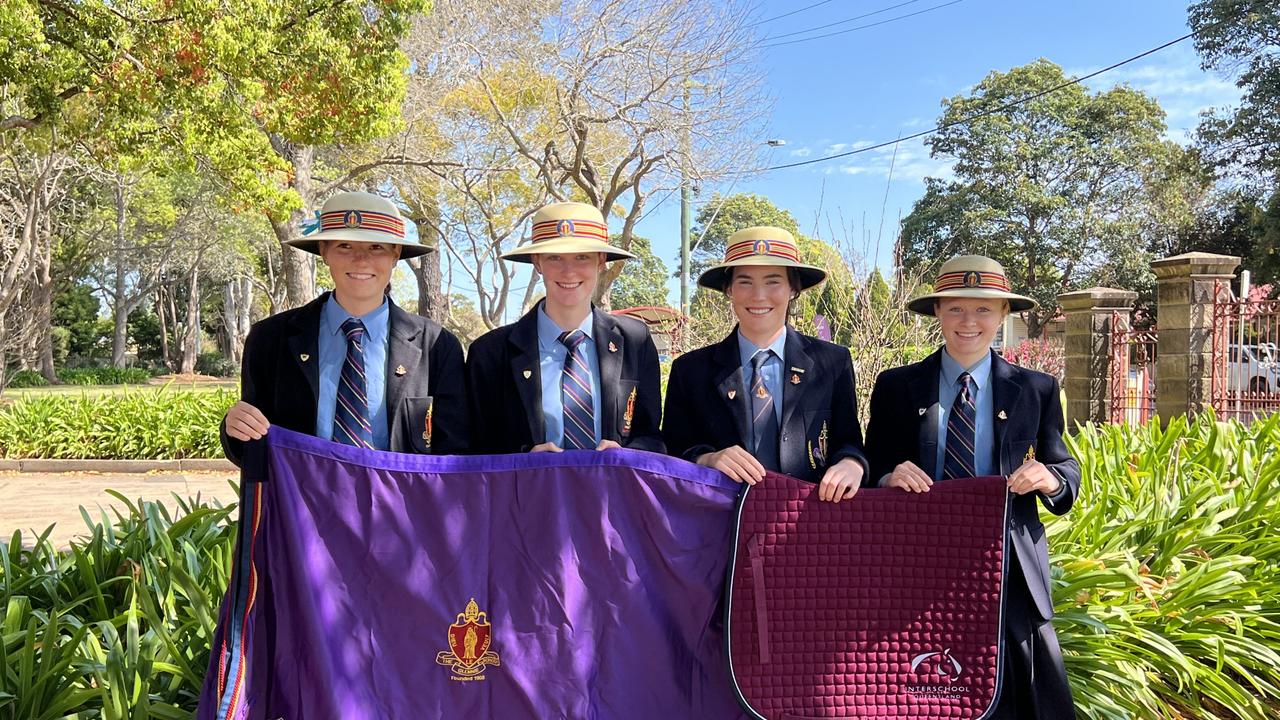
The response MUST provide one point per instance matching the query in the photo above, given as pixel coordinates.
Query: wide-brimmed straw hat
(359, 217)
(971, 276)
(761, 246)
(564, 228)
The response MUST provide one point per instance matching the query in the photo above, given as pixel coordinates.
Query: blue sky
(871, 85)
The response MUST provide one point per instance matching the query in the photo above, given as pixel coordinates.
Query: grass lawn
(201, 385)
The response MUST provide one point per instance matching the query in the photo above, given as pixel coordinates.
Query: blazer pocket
(626, 410)
(817, 438)
(415, 414)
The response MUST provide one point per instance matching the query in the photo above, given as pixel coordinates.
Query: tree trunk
(191, 338)
(42, 306)
(426, 270)
(242, 320)
(230, 313)
(119, 338)
(164, 327)
(172, 360)
(299, 266)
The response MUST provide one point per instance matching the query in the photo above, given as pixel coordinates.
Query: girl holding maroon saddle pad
(767, 397)
(966, 412)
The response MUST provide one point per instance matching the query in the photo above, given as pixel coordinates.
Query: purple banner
(568, 585)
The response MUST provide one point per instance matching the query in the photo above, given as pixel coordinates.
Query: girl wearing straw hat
(767, 397)
(351, 366)
(964, 412)
(567, 375)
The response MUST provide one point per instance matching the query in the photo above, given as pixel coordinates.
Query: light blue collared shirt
(772, 369)
(333, 352)
(984, 440)
(552, 354)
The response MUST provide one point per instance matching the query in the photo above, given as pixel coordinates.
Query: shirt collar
(375, 321)
(747, 350)
(549, 331)
(979, 371)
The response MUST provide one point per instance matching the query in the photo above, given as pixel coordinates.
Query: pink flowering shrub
(1044, 355)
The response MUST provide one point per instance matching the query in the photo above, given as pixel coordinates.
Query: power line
(789, 14)
(860, 27)
(840, 22)
(984, 113)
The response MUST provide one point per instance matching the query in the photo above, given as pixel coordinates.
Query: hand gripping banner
(591, 585)
(886, 606)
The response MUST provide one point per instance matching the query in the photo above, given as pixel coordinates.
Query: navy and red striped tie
(575, 394)
(351, 414)
(958, 460)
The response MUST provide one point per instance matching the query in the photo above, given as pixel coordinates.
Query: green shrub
(1167, 571)
(27, 379)
(133, 425)
(216, 365)
(104, 376)
(119, 624)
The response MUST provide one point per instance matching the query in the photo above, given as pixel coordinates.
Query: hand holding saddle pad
(885, 607)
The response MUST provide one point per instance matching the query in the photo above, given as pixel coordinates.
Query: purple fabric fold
(381, 585)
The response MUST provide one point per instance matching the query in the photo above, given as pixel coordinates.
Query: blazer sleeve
(450, 404)
(679, 429)
(253, 388)
(482, 387)
(847, 442)
(646, 431)
(882, 447)
(1053, 453)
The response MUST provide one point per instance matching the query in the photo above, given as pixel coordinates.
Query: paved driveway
(33, 501)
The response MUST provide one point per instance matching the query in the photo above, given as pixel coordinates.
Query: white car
(1253, 368)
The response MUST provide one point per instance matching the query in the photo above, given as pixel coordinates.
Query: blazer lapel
(609, 353)
(402, 351)
(797, 376)
(526, 372)
(304, 347)
(924, 405)
(1006, 390)
(729, 384)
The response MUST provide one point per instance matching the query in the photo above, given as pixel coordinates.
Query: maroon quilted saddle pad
(886, 606)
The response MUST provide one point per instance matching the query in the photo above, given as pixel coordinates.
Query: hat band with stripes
(368, 220)
(552, 229)
(971, 279)
(770, 248)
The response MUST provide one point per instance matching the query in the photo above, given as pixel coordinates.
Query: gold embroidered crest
(629, 413)
(470, 637)
(426, 426)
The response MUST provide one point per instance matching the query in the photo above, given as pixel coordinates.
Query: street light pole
(686, 221)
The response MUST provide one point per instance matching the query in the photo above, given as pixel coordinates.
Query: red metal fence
(1133, 372)
(1245, 370)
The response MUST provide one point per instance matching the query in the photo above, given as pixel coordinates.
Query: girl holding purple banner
(567, 375)
(966, 412)
(767, 398)
(352, 366)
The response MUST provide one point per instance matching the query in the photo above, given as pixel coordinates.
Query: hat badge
(352, 218)
(972, 279)
(760, 247)
(564, 228)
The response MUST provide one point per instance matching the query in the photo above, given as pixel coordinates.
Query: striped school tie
(764, 422)
(351, 414)
(575, 395)
(961, 423)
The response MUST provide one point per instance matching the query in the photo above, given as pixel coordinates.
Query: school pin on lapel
(400, 370)
(527, 374)
(923, 410)
(733, 394)
(1002, 415)
(795, 379)
(612, 347)
(304, 357)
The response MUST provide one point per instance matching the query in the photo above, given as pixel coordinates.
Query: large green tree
(247, 88)
(643, 281)
(1067, 189)
(1242, 37)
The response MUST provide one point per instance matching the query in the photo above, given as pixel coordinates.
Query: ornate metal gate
(1133, 372)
